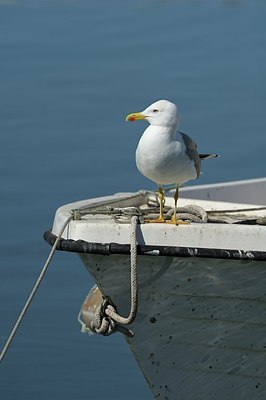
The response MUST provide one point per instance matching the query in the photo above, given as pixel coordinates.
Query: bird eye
(155, 110)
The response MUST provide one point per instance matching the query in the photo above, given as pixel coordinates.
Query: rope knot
(102, 323)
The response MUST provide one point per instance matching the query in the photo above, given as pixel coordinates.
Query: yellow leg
(161, 201)
(173, 219)
(176, 195)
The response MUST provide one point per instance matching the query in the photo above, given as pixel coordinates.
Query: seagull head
(161, 113)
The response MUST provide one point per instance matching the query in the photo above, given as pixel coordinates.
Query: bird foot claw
(159, 220)
(177, 222)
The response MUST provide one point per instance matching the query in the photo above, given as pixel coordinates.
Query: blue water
(69, 73)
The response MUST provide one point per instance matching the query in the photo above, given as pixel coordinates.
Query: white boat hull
(200, 329)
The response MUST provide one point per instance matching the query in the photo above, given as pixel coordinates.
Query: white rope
(34, 290)
(133, 277)
(191, 212)
(107, 320)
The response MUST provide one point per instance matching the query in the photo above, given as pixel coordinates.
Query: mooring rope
(107, 320)
(133, 279)
(34, 290)
(191, 213)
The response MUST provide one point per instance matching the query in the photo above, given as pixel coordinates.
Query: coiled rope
(34, 290)
(191, 213)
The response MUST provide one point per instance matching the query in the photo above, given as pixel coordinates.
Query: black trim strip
(81, 246)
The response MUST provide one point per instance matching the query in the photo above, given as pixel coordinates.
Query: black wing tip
(206, 156)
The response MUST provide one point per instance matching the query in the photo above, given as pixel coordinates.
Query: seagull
(164, 154)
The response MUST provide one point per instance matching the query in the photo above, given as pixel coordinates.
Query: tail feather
(206, 156)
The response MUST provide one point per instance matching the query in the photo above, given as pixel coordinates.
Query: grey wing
(191, 150)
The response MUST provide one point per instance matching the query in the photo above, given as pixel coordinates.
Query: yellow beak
(135, 116)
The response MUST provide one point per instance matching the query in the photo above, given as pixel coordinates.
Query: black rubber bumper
(81, 246)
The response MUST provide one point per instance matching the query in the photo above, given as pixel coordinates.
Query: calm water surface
(69, 73)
